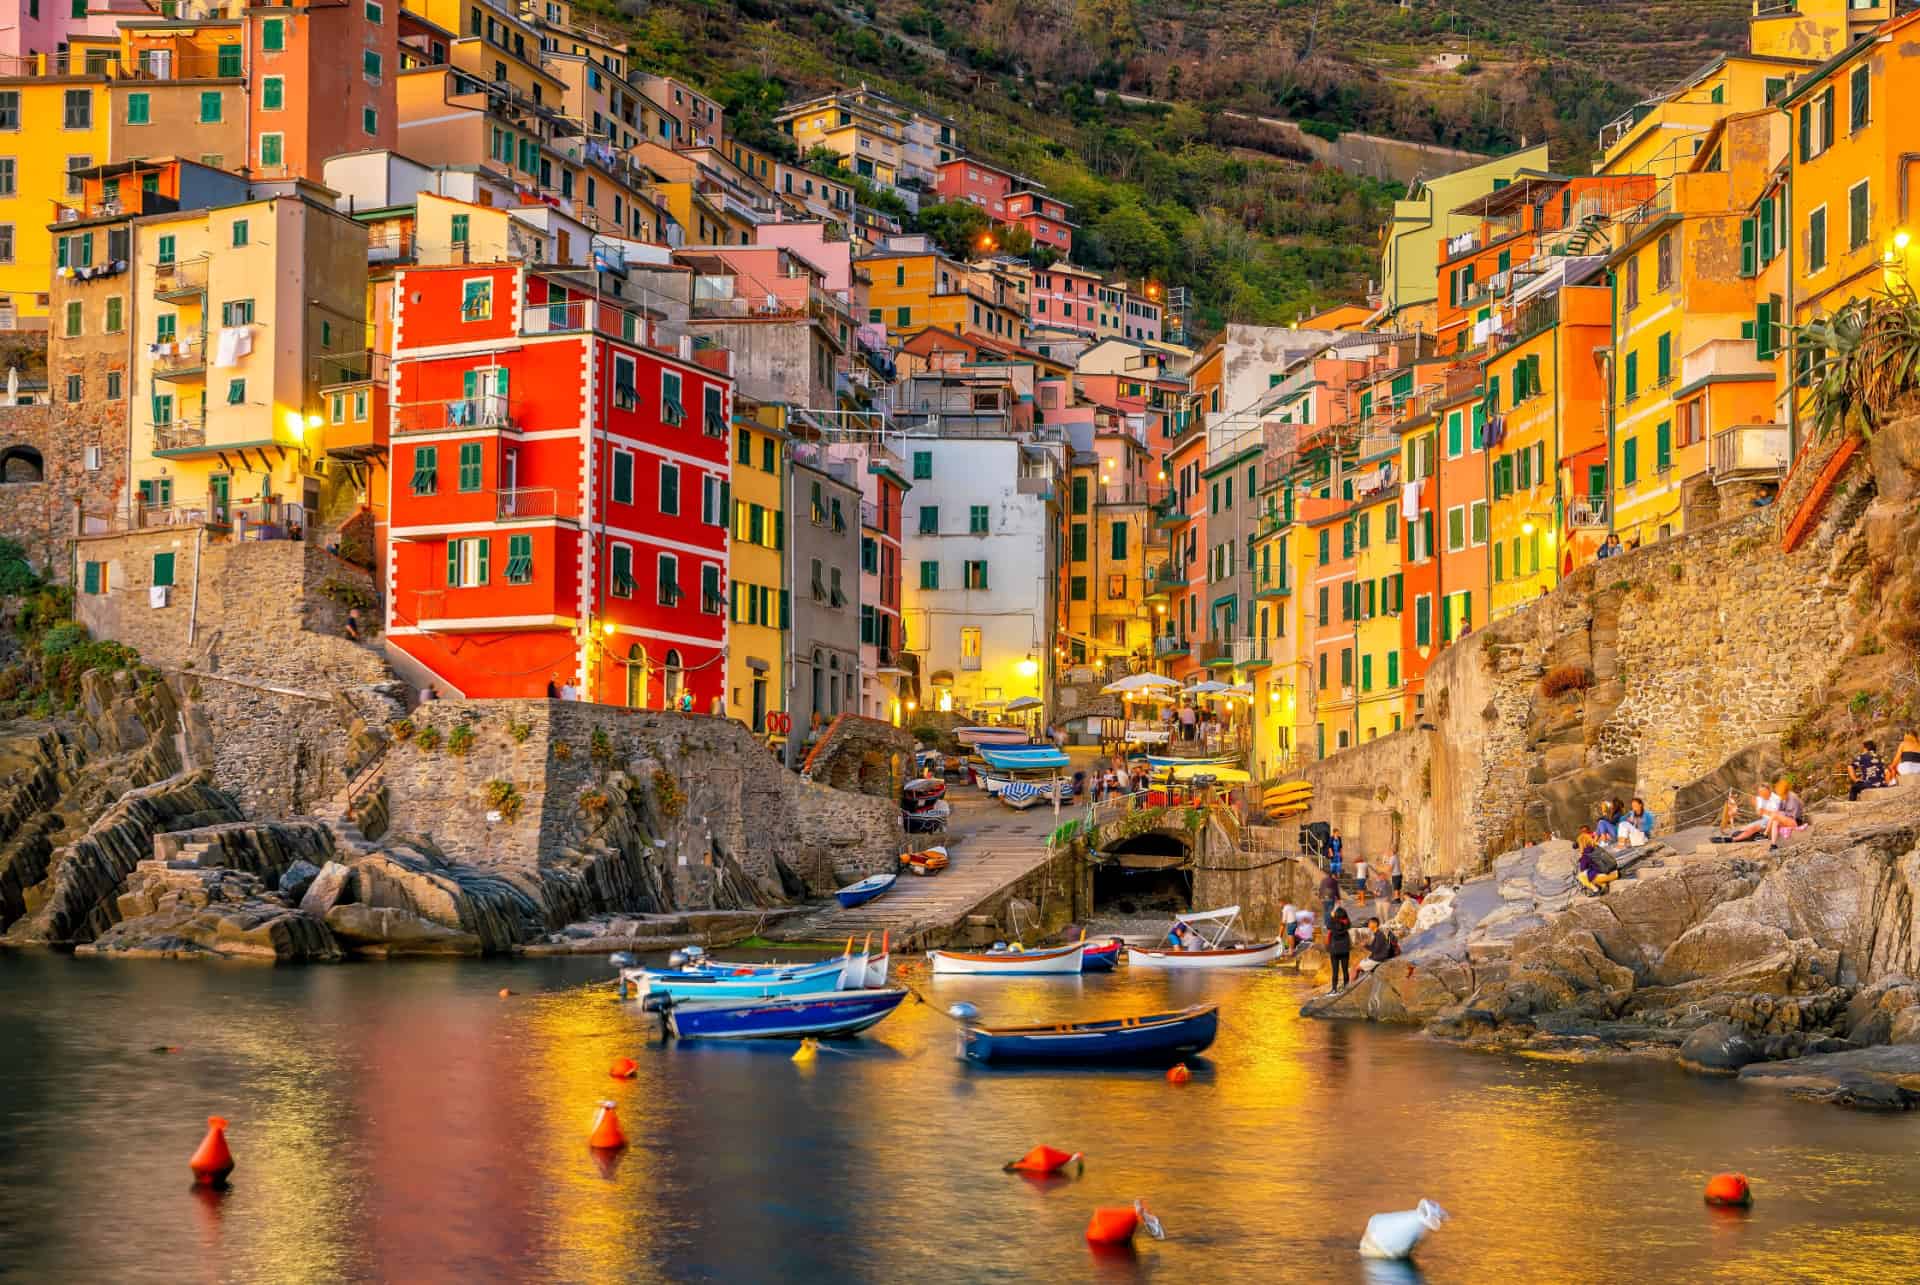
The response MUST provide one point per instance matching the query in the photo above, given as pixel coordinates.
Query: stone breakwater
(1799, 967)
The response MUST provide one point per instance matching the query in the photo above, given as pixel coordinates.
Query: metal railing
(361, 367)
(1169, 645)
(180, 357)
(1590, 513)
(1235, 651)
(184, 277)
(457, 413)
(180, 434)
(525, 502)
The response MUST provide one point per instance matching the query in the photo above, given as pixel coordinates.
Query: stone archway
(22, 464)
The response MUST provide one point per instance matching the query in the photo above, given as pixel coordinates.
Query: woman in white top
(1764, 806)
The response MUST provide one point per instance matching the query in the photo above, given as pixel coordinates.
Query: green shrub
(427, 739)
(460, 740)
(1564, 679)
(17, 576)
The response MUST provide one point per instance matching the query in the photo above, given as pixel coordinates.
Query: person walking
(1393, 869)
(1339, 947)
(1329, 897)
(1333, 854)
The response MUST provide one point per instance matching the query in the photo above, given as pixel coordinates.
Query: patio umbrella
(1138, 685)
(1206, 687)
(1024, 702)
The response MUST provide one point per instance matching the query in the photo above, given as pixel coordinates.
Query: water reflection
(406, 1123)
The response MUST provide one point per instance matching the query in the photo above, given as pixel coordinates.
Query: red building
(560, 493)
(1007, 199)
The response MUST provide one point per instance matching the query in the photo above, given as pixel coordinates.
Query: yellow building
(759, 606)
(58, 124)
(1410, 253)
(1279, 687)
(1812, 29)
(913, 286)
(867, 138)
(1378, 597)
(232, 311)
(1662, 137)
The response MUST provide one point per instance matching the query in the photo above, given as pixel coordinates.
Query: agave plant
(1869, 362)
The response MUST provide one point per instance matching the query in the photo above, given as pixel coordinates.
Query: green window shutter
(1346, 540)
(1499, 572)
(519, 559)
(1453, 434)
(1119, 541)
(210, 107)
(139, 109)
(426, 470)
(1346, 666)
(1806, 131)
(470, 466)
(1362, 524)
(1763, 238)
(1663, 447)
(1630, 462)
(1393, 670)
(1633, 375)
(1373, 601)
(1663, 357)
(929, 519)
(922, 465)
(786, 610)
(1456, 528)
(453, 563)
(273, 35)
(779, 529)
(162, 569)
(1858, 84)
(273, 93)
(1325, 547)
(227, 61)
(92, 584)
(622, 477)
(1080, 495)
(1366, 673)
(1857, 229)
(1078, 537)
(1826, 118)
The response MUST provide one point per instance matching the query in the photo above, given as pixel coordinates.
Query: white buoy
(1395, 1235)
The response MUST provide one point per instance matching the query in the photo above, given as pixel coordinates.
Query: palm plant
(1867, 360)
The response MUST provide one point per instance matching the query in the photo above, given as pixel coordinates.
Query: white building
(981, 547)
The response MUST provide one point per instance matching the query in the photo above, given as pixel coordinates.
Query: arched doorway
(636, 677)
(673, 681)
(22, 464)
(1146, 873)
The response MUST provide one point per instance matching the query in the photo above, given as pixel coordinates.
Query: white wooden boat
(1212, 928)
(1008, 963)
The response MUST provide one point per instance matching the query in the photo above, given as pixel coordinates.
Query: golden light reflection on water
(406, 1123)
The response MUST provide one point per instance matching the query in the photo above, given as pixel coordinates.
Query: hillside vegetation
(1181, 192)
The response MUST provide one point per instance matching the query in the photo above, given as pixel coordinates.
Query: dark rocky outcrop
(178, 910)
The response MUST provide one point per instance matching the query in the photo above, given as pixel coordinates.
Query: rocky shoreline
(1793, 968)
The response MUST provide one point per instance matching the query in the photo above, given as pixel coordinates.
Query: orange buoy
(1045, 1160)
(606, 1135)
(1110, 1226)
(213, 1161)
(624, 1068)
(1178, 1073)
(504, 992)
(1729, 1189)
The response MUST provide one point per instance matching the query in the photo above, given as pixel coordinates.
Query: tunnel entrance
(1143, 876)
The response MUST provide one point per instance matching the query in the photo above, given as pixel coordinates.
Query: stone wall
(1688, 652)
(690, 808)
(31, 511)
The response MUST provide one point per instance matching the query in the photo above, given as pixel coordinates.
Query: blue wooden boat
(1154, 1038)
(859, 894)
(1102, 957)
(812, 979)
(842, 1013)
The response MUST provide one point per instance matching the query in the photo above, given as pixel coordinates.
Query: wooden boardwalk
(991, 847)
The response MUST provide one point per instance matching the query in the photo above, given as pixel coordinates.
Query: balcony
(1040, 485)
(970, 662)
(1171, 513)
(180, 282)
(1168, 645)
(1273, 582)
(1222, 653)
(185, 434)
(181, 359)
(529, 503)
(1162, 579)
(1749, 453)
(1590, 513)
(337, 369)
(456, 414)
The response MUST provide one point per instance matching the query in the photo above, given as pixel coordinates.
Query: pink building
(45, 26)
(823, 245)
(1007, 199)
(1064, 298)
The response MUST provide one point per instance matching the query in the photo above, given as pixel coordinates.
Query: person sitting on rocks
(1868, 771)
(1790, 815)
(1596, 868)
(1906, 759)
(1636, 827)
(1381, 946)
(1764, 806)
(1603, 831)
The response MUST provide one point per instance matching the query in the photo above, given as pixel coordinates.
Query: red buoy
(1111, 1226)
(212, 1162)
(1045, 1160)
(505, 993)
(606, 1133)
(1178, 1073)
(1729, 1190)
(624, 1068)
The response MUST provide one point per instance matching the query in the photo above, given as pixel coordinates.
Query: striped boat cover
(1022, 790)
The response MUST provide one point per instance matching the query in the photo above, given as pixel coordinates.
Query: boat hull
(1226, 957)
(819, 1017)
(1103, 957)
(859, 894)
(1156, 1038)
(1065, 959)
(823, 980)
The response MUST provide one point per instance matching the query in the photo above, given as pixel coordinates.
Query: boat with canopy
(1218, 948)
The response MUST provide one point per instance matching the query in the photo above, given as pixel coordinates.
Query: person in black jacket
(1380, 947)
(1339, 946)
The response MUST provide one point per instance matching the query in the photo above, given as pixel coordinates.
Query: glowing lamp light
(607, 629)
(1526, 528)
(1028, 667)
(911, 706)
(313, 421)
(1901, 240)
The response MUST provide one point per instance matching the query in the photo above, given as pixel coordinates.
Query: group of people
(1778, 811)
(1380, 942)
(1620, 826)
(1382, 880)
(1869, 771)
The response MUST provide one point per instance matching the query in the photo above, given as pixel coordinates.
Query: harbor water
(406, 1122)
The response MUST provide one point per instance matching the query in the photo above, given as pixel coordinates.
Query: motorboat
(1148, 1039)
(1007, 961)
(1101, 957)
(1021, 776)
(1214, 928)
(979, 736)
(819, 1016)
(930, 861)
(813, 979)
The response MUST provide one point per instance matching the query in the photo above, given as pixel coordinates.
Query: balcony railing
(1588, 513)
(180, 358)
(869, 514)
(1273, 582)
(454, 414)
(529, 502)
(970, 662)
(180, 434)
(335, 368)
(1169, 645)
(1233, 651)
(1750, 452)
(174, 281)
(1163, 578)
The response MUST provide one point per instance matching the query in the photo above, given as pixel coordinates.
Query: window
(1077, 542)
(7, 175)
(620, 572)
(974, 574)
(922, 465)
(670, 489)
(9, 109)
(671, 411)
(426, 470)
(977, 520)
(75, 318)
(115, 319)
(1817, 241)
(1663, 447)
(1663, 262)
(929, 574)
(273, 35)
(462, 225)
(166, 251)
(114, 389)
(1632, 290)
(165, 327)
(714, 501)
(929, 519)
(370, 66)
(236, 392)
(239, 232)
(374, 13)
(470, 469)
(1663, 360)
(1633, 376)
(1118, 540)
(903, 316)
(667, 590)
(1857, 84)
(1478, 523)
(467, 562)
(1749, 250)
(236, 312)
(1078, 587)
(1857, 229)
(272, 151)
(95, 579)
(370, 124)
(163, 569)
(1454, 445)
(1630, 461)
(623, 477)
(139, 109)
(210, 113)
(476, 299)
(1456, 528)
(76, 388)
(79, 109)
(227, 61)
